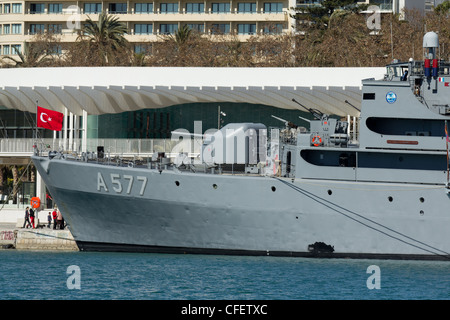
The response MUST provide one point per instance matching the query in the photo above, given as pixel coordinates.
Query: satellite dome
(431, 40)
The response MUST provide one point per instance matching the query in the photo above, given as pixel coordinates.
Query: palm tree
(31, 57)
(181, 35)
(107, 36)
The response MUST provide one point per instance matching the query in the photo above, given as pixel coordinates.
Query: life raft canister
(316, 141)
(35, 202)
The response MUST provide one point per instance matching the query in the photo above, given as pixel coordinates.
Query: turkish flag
(49, 119)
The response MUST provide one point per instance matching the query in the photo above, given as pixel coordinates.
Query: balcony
(157, 15)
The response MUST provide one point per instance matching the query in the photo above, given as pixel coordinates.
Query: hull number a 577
(121, 184)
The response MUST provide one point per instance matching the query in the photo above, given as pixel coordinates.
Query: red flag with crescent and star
(49, 119)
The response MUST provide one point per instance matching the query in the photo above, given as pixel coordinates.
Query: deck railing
(112, 146)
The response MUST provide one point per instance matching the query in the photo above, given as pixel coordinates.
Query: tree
(443, 8)
(106, 37)
(320, 16)
(38, 52)
(181, 36)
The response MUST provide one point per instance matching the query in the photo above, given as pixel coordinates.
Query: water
(28, 275)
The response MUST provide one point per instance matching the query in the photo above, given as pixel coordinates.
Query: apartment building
(398, 6)
(20, 21)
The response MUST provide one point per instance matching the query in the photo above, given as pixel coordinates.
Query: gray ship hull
(139, 209)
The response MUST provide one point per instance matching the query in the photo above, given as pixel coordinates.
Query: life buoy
(316, 141)
(35, 202)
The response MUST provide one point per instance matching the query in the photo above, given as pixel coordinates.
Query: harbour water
(30, 275)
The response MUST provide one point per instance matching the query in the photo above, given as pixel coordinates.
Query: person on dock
(27, 218)
(59, 217)
(55, 216)
(49, 219)
(32, 217)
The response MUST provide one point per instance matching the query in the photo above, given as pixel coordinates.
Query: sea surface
(30, 275)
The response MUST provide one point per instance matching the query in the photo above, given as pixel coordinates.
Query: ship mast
(446, 146)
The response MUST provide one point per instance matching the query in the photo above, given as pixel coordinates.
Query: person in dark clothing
(27, 218)
(54, 218)
(32, 217)
(49, 219)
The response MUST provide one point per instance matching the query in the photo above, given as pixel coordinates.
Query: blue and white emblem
(391, 97)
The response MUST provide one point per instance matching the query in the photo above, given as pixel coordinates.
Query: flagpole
(35, 124)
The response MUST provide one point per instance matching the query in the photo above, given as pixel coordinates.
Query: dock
(42, 238)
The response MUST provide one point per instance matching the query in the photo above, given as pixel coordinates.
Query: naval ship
(293, 191)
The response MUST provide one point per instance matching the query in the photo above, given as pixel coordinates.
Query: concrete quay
(13, 236)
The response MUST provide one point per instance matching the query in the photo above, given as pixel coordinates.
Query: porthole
(390, 199)
(215, 186)
(421, 212)
(422, 199)
(177, 183)
(274, 189)
(330, 192)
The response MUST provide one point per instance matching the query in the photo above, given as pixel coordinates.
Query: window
(143, 8)
(37, 8)
(55, 8)
(16, 28)
(55, 28)
(16, 49)
(143, 29)
(5, 49)
(220, 7)
(142, 48)
(200, 27)
(223, 28)
(17, 8)
(368, 96)
(55, 49)
(247, 7)
(276, 28)
(92, 8)
(274, 7)
(6, 8)
(168, 7)
(119, 8)
(37, 28)
(246, 28)
(6, 29)
(195, 7)
(167, 28)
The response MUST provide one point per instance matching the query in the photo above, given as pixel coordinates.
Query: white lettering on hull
(120, 186)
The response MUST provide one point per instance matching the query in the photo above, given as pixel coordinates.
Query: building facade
(20, 21)
(398, 6)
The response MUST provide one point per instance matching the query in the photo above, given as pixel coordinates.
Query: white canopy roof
(100, 90)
